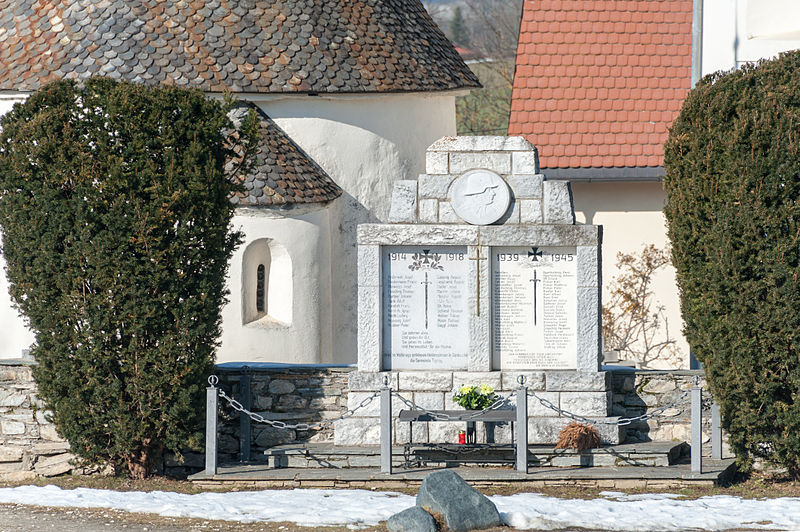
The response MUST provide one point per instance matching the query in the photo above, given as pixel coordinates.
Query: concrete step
(326, 455)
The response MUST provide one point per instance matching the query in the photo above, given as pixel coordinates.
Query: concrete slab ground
(669, 477)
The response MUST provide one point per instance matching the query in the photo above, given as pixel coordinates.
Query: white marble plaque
(534, 307)
(425, 317)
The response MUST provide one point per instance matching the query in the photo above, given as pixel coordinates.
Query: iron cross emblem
(535, 254)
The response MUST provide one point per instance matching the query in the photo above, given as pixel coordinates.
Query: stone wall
(30, 446)
(291, 394)
(29, 443)
(641, 391)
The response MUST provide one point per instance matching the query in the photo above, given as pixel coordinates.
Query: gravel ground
(19, 518)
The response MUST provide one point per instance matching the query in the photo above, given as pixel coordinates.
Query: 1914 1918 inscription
(425, 307)
(534, 307)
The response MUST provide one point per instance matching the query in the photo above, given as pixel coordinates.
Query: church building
(349, 95)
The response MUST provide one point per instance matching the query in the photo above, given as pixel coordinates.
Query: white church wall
(733, 31)
(294, 246)
(365, 143)
(14, 335)
(632, 218)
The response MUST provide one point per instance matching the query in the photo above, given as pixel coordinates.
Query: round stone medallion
(480, 197)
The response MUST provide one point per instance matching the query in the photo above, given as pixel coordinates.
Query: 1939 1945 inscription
(534, 307)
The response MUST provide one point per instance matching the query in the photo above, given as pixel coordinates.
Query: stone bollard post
(522, 426)
(212, 405)
(386, 427)
(697, 428)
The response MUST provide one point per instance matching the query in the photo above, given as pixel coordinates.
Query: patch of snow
(359, 508)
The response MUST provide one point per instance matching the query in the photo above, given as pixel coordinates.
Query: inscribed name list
(425, 307)
(534, 307)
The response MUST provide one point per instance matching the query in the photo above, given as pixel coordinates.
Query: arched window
(266, 278)
(261, 300)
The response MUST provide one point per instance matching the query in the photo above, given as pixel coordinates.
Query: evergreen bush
(733, 185)
(115, 212)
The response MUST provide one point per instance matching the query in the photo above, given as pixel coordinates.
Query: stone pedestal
(483, 276)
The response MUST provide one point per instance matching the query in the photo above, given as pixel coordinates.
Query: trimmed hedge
(115, 217)
(733, 187)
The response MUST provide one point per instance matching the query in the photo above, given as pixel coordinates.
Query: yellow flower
(465, 389)
(485, 389)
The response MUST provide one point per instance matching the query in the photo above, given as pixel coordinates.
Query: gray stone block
(534, 380)
(530, 211)
(538, 409)
(554, 235)
(526, 162)
(369, 381)
(414, 519)
(369, 327)
(558, 203)
(447, 215)
(496, 162)
(357, 431)
(463, 507)
(589, 404)
(434, 186)
(577, 381)
(426, 381)
(417, 234)
(588, 266)
(429, 211)
(436, 163)
(474, 378)
(403, 432)
(526, 186)
(404, 202)
(589, 332)
(481, 143)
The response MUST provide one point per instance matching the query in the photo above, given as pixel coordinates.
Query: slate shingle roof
(283, 173)
(260, 46)
(599, 82)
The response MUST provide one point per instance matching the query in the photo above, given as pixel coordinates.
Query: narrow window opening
(260, 295)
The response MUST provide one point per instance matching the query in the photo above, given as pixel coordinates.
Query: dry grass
(578, 436)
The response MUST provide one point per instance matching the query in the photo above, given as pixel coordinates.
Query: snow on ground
(358, 508)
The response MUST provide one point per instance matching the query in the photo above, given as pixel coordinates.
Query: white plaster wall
(365, 143)
(14, 335)
(631, 216)
(727, 32)
(305, 234)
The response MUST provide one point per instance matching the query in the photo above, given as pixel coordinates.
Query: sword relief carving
(535, 282)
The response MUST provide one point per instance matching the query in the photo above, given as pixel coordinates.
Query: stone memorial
(482, 276)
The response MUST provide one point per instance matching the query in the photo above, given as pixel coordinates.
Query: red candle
(462, 437)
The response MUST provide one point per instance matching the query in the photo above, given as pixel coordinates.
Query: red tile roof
(598, 82)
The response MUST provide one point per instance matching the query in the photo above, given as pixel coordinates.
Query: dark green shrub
(733, 185)
(114, 210)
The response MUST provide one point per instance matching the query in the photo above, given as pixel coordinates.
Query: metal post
(522, 429)
(212, 401)
(697, 429)
(716, 432)
(386, 427)
(244, 419)
(522, 426)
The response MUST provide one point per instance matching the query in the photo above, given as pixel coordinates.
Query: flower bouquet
(475, 397)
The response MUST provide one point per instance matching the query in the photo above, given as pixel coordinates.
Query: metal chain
(439, 415)
(236, 405)
(622, 421)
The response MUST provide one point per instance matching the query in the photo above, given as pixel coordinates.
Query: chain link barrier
(439, 415)
(621, 421)
(258, 418)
